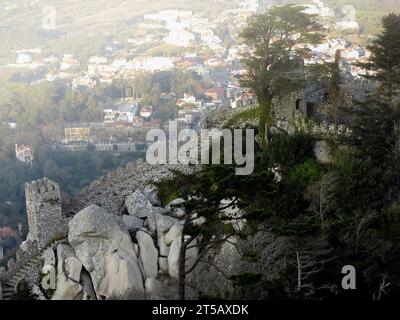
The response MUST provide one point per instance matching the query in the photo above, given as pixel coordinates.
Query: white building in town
(151, 64)
(180, 38)
(121, 113)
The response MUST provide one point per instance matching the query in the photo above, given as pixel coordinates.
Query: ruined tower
(43, 205)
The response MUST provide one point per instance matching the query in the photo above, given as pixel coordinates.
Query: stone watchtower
(43, 206)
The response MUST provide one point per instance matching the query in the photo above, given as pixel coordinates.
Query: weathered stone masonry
(43, 205)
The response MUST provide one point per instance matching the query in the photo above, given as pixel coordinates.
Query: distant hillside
(365, 5)
(384, 5)
(368, 12)
(21, 20)
(94, 15)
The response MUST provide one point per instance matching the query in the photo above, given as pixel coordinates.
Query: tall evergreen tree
(335, 95)
(277, 37)
(385, 59)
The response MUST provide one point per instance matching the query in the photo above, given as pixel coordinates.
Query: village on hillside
(189, 42)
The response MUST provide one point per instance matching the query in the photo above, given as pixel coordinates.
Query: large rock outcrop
(132, 223)
(139, 205)
(173, 233)
(104, 247)
(99, 260)
(68, 275)
(173, 257)
(148, 254)
(158, 222)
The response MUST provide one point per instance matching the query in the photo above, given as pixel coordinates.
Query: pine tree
(277, 38)
(334, 89)
(385, 59)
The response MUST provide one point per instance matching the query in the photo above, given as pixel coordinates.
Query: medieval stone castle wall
(43, 205)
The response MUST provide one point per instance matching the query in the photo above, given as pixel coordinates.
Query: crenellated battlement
(43, 188)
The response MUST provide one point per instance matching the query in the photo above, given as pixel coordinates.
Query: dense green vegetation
(24, 292)
(41, 111)
(323, 217)
(384, 60)
(309, 221)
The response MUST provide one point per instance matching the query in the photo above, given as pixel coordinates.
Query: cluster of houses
(351, 55)
(121, 118)
(183, 28)
(189, 31)
(124, 114)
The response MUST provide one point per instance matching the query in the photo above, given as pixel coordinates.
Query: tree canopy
(384, 62)
(278, 40)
